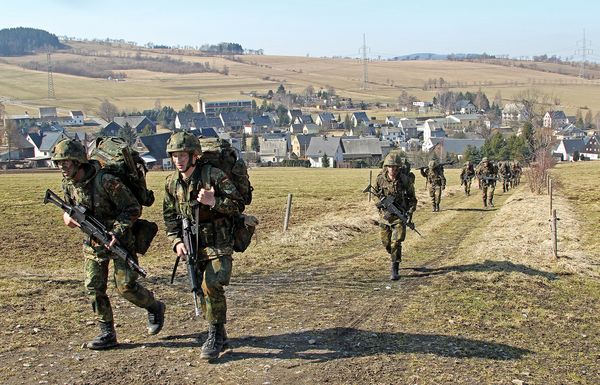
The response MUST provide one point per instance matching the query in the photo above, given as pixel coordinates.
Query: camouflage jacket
(467, 172)
(488, 170)
(435, 177)
(215, 224)
(109, 200)
(402, 188)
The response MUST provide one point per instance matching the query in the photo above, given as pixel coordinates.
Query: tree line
(22, 41)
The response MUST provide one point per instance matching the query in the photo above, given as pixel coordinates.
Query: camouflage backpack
(219, 153)
(117, 158)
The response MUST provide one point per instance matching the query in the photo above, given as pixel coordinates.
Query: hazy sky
(327, 28)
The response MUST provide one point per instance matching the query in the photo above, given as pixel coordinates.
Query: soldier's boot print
(394, 274)
(156, 317)
(106, 339)
(214, 343)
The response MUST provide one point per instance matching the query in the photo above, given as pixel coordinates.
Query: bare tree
(108, 111)
(309, 91)
(536, 104)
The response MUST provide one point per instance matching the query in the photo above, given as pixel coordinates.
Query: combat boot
(433, 207)
(106, 339)
(214, 343)
(437, 207)
(484, 202)
(394, 275)
(156, 317)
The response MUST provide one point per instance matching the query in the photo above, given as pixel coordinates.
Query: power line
(364, 60)
(51, 94)
(583, 51)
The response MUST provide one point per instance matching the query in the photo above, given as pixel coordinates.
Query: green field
(480, 300)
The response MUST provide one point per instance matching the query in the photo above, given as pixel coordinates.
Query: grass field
(28, 89)
(479, 301)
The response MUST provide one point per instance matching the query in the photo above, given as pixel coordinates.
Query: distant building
(514, 113)
(137, 122)
(215, 108)
(555, 119)
(322, 145)
(567, 148)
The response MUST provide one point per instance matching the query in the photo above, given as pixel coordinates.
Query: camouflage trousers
(487, 193)
(125, 280)
(435, 192)
(467, 185)
(214, 275)
(392, 237)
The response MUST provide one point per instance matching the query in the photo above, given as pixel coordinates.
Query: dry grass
(261, 73)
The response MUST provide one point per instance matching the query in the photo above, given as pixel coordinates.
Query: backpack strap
(205, 176)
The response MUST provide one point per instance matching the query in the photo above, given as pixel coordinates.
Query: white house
(320, 146)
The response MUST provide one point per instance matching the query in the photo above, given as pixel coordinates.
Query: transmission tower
(364, 49)
(51, 94)
(583, 51)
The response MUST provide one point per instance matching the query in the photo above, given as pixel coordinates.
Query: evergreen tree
(127, 133)
(325, 161)
(187, 108)
(255, 145)
(243, 143)
(147, 130)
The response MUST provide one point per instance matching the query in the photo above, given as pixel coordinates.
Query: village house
(359, 118)
(514, 113)
(464, 107)
(369, 150)
(326, 120)
(591, 149)
(137, 122)
(300, 144)
(152, 149)
(555, 119)
(273, 149)
(443, 147)
(568, 148)
(323, 145)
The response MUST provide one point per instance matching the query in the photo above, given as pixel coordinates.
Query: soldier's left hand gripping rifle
(95, 229)
(390, 210)
(189, 241)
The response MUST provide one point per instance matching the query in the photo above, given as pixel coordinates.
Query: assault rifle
(95, 229)
(465, 179)
(192, 260)
(390, 210)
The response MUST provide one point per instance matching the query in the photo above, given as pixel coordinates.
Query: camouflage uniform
(466, 176)
(487, 173)
(215, 228)
(516, 173)
(436, 181)
(504, 170)
(393, 232)
(110, 201)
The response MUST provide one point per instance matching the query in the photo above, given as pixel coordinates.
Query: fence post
(370, 184)
(288, 209)
(550, 194)
(554, 235)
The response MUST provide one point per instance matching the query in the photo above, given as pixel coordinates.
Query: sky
(328, 28)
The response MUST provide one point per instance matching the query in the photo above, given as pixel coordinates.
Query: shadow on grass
(338, 343)
(487, 266)
(470, 209)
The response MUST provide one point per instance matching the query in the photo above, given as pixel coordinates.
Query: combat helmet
(183, 141)
(432, 163)
(484, 159)
(69, 149)
(393, 159)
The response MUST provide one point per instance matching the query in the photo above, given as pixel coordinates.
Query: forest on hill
(23, 41)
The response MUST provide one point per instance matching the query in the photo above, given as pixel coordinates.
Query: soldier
(466, 176)
(436, 180)
(112, 203)
(210, 210)
(487, 173)
(516, 173)
(392, 181)
(504, 170)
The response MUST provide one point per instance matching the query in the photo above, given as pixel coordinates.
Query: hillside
(246, 73)
(479, 300)
(22, 41)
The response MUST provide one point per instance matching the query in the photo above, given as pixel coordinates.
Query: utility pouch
(144, 232)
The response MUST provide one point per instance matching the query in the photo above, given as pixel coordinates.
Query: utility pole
(583, 51)
(51, 94)
(364, 49)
